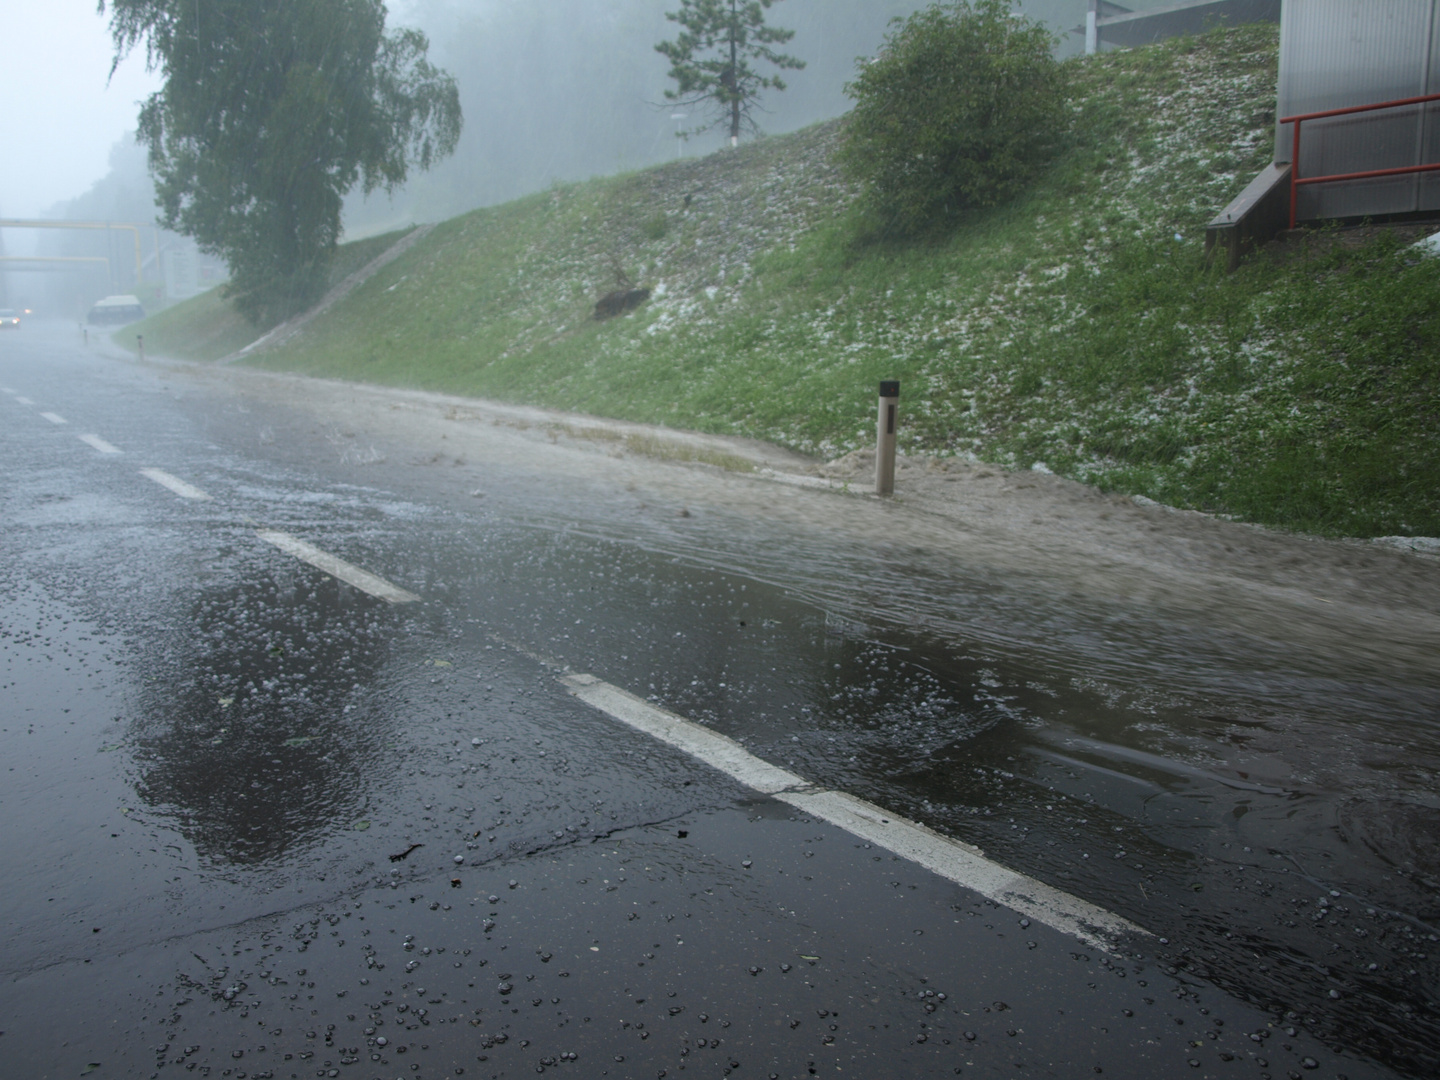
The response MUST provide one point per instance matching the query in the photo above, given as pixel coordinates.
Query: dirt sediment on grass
(1354, 605)
(1355, 597)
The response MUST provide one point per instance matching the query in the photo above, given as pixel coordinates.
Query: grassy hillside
(207, 327)
(1076, 329)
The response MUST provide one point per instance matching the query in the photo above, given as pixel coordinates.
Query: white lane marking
(24, 401)
(99, 444)
(964, 865)
(174, 483)
(338, 568)
(709, 746)
(7, 390)
(54, 418)
(961, 863)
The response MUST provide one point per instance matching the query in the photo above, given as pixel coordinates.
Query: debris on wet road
(309, 821)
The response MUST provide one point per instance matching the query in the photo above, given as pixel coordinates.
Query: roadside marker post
(140, 341)
(885, 438)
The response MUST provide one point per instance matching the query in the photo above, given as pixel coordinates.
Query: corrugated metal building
(1113, 26)
(1340, 53)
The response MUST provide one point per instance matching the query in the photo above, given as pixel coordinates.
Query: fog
(553, 91)
(60, 109)
(568, 89)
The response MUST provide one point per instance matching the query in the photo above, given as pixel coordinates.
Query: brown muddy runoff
(1227, 734)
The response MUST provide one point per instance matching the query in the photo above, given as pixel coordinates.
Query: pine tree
(711, 61)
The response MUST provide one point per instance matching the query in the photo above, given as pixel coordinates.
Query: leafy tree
(271, 111)
(963, 105)
(711, 59)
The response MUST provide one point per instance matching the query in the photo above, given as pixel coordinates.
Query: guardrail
(1297, 181)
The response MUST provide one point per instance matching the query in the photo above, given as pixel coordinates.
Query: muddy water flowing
(1269, 813)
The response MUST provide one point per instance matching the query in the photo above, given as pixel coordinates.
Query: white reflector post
(885, 437)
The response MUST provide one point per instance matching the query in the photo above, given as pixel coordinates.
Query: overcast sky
(58, 117)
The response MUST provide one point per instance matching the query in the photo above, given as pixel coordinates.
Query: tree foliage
(712, 61)
(964, 104)
(271, 111)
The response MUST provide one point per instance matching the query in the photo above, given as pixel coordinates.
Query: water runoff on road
(1276, 827)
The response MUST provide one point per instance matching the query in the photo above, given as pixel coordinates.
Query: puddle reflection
(255, 736)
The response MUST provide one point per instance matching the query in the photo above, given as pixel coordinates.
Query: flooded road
(220, 758)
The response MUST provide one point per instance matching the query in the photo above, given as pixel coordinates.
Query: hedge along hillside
(1069, 327)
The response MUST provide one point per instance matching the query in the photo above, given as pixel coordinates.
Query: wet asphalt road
(213, 752)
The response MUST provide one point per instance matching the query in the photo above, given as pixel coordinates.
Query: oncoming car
(9, 319)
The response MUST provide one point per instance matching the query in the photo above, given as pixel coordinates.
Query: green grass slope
(207, 327)
(1076, 329)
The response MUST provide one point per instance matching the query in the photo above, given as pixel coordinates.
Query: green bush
(964, 104)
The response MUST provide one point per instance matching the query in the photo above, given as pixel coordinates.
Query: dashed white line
(174, 483)
(99, 444)
(958, 862)
(338, 568)
(7, 390)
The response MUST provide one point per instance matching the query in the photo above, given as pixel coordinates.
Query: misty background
(552, 91)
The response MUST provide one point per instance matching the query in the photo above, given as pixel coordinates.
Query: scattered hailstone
(1426, 545)
(1041, 467)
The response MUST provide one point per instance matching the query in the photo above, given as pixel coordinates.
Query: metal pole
(885, 438)
(139, 262)
(1294, 171)
(1423, 130)
(1092, 27)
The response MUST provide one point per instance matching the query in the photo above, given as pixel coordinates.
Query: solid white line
(709, 746)
(99, 444)
(7, 390)
(953, 860)
(174, 483)
(352, 575)
(964, 865)
(53, 418)
(24, 401)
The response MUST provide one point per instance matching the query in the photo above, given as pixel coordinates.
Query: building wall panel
(1338, 53)
(1134, 28)
(1429, 183)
